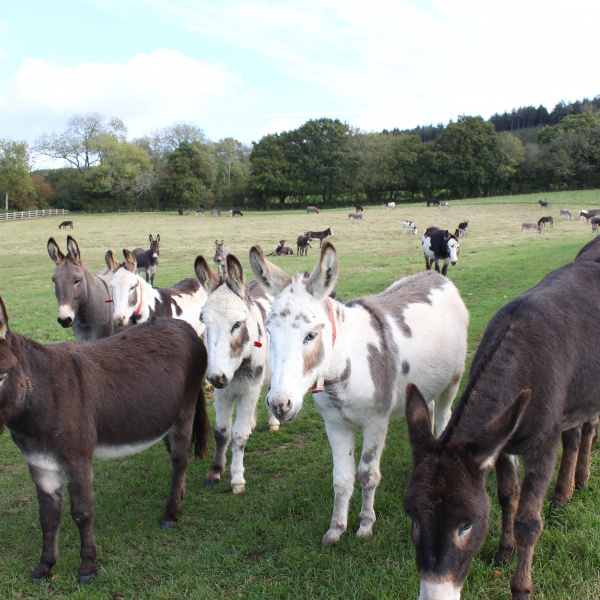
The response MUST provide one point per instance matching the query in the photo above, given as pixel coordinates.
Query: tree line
(324, 162)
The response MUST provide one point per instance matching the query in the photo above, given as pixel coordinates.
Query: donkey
(312, 209)
(542, 222)
(358, 208)
(388, 205)
(220, 257)
(462, 229)
(65, 404)
(215, 212)
(281, 249)
(356, 217)
(443, 205)
(432, 202)
(543, 204)
(595, 221)
(439, 244)
(83, 298)
(531, 227)
(136, 301)
(566, 214)
(517, 402)
(410, 227)
(302, 245)
(360, 356)
(319, 235)
(66, 224)
(238, 361)
(147, 260)
(235, 213)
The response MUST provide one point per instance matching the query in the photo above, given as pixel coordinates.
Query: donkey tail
(201, 428)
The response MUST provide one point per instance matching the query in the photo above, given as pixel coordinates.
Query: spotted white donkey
(364, 353)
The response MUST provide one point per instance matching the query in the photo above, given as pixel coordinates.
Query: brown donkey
(68, 403)
(517, 402)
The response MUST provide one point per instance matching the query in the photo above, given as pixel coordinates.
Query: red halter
(139, 308)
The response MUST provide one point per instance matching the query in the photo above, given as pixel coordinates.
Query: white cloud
(149, 91)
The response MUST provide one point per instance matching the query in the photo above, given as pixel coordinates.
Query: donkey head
(300, 327)
(453, 246)
(69, 280)
(446, 498)
(154, 246)
(12, 378)
(230, 332)
(126, 288)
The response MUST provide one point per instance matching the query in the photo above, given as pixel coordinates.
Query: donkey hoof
(559, 501)
(331, 537)
(503, 556)
(87, 578)
(274, 427)
(238, 488)
(211, 482)
(168, 524)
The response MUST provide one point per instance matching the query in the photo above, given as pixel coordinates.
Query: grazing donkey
(358, 208)
(461, 230)
(443, 205)
(531, 227)
(517, 402)
(439, 244)
(410, 227)
(220, 257)
(136, 301)
(147, 260)
(542, 222)
(360, 355)
(312, 209)
(238, 361)
(215, 212)
(66, 224)
(566, 214)
(543, 204)
(234, 212)
(319, 235)
(356, 217)
(68, 403)
(302, 245)
(83, 298)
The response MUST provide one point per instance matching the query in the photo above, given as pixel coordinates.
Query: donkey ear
(209, 280)
(489, 443)
(323, 278)
(418, 421)
(150, 238)
(271, 278)
(130, 262)
(158, 237)
(3, 320)
(73, 249)
(235, 276)
(447, 234)
(54, 251)
(110, 261)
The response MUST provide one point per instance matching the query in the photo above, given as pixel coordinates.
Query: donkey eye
(464, 528)
(76, 281)
(310, 337)
(236, 326)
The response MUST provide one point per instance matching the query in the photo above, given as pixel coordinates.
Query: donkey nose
(219, 380)
(280, 407)
(120, 321)
(66, 322)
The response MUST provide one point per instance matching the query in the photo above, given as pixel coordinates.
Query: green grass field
(265, 543)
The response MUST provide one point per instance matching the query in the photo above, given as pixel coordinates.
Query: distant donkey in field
(147, 260)
(220, 257)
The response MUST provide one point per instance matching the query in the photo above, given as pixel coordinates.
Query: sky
(246, 68)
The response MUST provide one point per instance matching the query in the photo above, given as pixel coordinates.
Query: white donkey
(135, 300)
(238, 361)
(361, 356)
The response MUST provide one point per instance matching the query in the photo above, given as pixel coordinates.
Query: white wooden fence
(32, 214)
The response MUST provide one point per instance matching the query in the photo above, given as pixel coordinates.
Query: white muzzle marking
(445, 590)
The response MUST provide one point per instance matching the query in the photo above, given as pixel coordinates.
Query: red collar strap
(139, 308)
(319, 384)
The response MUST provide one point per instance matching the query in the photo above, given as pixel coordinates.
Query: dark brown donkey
(83, 298)
(147, 260)
(68, 403)
(517, 402)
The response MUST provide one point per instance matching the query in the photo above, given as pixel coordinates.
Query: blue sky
(244, 68)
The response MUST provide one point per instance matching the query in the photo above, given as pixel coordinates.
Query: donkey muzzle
(219, 380)
(281, 408)
(66, 322)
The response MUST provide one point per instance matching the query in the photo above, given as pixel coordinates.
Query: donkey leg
(565, 482)
(341, 439)
(509, 486)
(369, 474)
(273, 422)
(445, 267)
(582, 471)
(528, 519)
(443, 406)
(245, 422)
(79, 479)
(49, 485)
(180, 450)
(224, 412)
(437, 264)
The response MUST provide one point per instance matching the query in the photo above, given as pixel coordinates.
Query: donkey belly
(106, 451)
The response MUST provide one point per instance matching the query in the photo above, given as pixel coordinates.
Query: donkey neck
(95, 307)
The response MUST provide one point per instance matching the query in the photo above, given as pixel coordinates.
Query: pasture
(266, 542)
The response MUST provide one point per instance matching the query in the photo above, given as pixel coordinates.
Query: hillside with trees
(324, 161)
